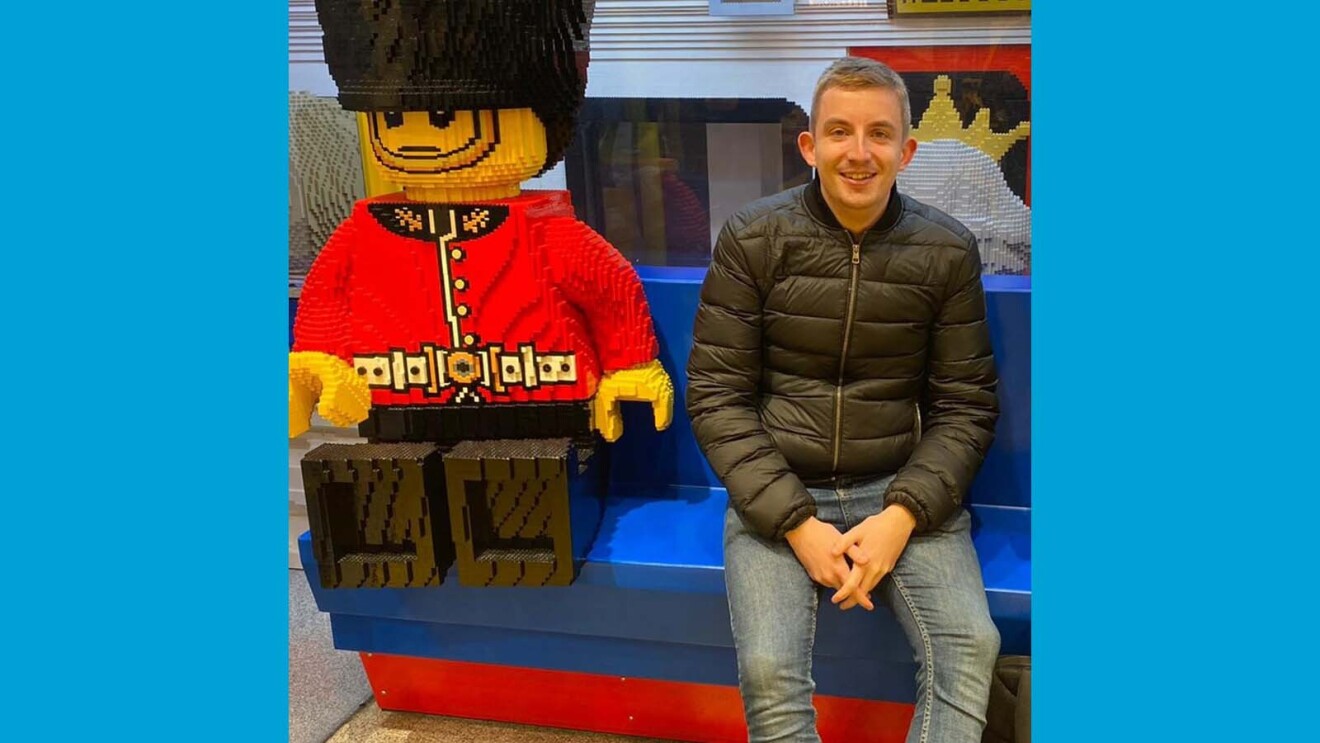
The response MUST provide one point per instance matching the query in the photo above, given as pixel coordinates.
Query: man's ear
(909, 149)
(807, 146)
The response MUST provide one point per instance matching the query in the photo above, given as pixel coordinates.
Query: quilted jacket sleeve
(963, 404)
(724, 372)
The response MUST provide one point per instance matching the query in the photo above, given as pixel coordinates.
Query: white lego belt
(491, 367)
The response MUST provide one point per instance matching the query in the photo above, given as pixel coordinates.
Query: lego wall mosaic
(325, 176)
(971, 114)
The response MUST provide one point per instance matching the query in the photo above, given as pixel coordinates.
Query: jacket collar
(815, 201)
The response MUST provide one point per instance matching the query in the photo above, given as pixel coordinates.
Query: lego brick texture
(457, 155)
(971, 161)
(542, 303)
(378, 515)
(446, 55)
(325, 175)
(971, 115)
(449, 425)
(509, 505)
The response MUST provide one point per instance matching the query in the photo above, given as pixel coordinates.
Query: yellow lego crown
(942, 121)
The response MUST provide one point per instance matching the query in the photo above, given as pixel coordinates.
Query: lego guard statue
(481, 335)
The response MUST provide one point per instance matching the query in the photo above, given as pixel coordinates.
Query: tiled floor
(326, 686)
(371, 724)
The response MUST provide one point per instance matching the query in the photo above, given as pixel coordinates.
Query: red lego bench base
(704, 713)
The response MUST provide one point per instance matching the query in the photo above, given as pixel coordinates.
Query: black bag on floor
(1008, 716)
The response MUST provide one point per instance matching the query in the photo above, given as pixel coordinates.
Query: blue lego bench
(650, 601)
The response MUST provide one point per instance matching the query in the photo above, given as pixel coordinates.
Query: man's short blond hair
(857, 73)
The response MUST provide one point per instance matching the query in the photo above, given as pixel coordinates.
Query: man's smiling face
(858, 146)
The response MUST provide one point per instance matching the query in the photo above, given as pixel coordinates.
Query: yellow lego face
(457, 148)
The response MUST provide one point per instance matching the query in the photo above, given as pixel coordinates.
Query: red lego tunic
(504, 301)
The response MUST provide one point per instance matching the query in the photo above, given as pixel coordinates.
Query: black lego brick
(378, 515)
(461, 55)
(450, 424)
(509, 506)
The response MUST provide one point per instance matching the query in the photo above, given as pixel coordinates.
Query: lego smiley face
(455, 148)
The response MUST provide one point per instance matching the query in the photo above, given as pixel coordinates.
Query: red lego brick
(524, 304)
(672, 710)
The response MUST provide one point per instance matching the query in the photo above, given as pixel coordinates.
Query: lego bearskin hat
(447, 55)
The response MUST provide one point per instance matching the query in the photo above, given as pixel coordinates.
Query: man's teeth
(856, 177)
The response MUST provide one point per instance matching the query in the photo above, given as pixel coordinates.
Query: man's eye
(441, 119)
(393, 119)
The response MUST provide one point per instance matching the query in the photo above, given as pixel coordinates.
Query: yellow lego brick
(942, 121)
(344, 396)
(646, 383)
(471, 163)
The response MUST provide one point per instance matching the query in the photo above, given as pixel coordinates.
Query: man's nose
(857, 148)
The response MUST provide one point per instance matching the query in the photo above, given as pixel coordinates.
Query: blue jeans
(935, 591)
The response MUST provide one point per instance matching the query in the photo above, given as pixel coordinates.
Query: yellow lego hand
(301, 402)
(645, 383)
(345, 398)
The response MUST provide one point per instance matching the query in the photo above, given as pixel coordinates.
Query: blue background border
(1175, 414)
(1173, 342)
(145, 279)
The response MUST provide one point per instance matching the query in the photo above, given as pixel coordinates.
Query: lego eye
(441, 119)
(393, 119)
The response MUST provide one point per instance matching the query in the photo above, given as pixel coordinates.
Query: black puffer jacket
(815, 361)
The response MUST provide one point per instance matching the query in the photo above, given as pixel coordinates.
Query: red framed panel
(703, 713)
(1014, 58)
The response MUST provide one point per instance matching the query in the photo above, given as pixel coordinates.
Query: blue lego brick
(846, 675)
(648, 526)
(671, 456)
(293, 312)
(656, 526)
(585, 507)
(1005, 476)
(1002, 535)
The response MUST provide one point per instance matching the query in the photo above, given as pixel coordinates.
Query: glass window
(658, 177)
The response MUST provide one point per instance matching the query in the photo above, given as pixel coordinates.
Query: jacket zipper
(843, 357)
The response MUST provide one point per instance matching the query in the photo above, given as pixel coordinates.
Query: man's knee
(984, 641)
(769, 675)
(972, 647)
(977, 646)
